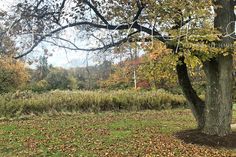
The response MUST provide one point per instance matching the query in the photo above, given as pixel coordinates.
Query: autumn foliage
(13, 74)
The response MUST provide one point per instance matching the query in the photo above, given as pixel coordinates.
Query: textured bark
(196, 104)
(218, 109)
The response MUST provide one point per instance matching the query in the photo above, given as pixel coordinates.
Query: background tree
(57, 78)
(12, 74)
(72, 82)
(158, 66)
(42, 68)
(120, 78)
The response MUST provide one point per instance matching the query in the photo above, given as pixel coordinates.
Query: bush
(21, 103)
(40, 86)
(13, 74)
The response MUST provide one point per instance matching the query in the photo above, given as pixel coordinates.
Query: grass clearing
(103, 134)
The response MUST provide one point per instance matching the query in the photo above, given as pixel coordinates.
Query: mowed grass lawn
(147, 133)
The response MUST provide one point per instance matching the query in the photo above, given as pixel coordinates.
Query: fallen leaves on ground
(148, 133)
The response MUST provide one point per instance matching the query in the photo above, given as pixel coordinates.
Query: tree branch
(197, 105)
(136, 26)
(76, 47)
(38, 4)
(96, 11)
(60, 10)
(140, 8)
(182, 23)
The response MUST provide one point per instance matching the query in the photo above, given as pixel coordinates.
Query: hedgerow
(27, 102)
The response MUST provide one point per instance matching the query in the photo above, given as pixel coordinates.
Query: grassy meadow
(146, 133)
(145, 124)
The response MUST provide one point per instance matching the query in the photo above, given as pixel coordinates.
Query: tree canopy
(112, 23)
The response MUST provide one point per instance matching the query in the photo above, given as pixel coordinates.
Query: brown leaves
(149, 133)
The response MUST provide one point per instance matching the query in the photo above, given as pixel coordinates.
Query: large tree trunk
(215, 115)
(218, 109)
(196, 104)
(219, 70)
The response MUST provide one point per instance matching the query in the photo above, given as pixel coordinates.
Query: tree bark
(219, 70)
(196, 104)
(218, 109)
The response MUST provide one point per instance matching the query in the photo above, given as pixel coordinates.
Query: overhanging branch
(136, 26)
(96, 11)
(75, 46)
(140, 9)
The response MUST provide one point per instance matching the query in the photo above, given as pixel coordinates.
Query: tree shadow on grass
(196, 137)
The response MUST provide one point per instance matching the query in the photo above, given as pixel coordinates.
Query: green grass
(110, 133)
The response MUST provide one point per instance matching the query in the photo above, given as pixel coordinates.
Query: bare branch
(136, 26)
(98, 39)
(140, 8)
(76, 48)
(39, 3)
(96, 11)
(182, 23)
(60, 10)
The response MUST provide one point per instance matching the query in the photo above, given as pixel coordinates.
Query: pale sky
(60, 56)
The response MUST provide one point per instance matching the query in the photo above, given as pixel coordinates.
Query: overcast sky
(60, 56)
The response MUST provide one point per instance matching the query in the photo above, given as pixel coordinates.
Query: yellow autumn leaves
(12, 74)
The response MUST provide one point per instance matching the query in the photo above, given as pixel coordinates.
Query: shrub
(12, 74)
(27, 102)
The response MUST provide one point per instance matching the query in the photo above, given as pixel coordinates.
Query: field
(146, 133)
